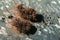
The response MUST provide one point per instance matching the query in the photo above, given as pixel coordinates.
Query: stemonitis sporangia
(23, 18)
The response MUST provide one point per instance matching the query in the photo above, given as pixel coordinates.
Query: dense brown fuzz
(27, 13)
(23, 18)
(22, 26)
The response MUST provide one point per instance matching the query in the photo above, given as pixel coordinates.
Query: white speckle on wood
(59, 1)
(28, 38)
(39, 32)
(2, 8)
(53, 2)
(7, 6)
(45, 30)
(3, 31)
(57, 25)
(59, 20)
(39, 0)
(3, 28)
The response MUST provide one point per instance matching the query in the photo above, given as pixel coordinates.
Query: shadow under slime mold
(28, 13)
